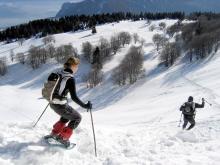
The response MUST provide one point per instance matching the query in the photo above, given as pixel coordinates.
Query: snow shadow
(150, 56)
(15, 149)
(144, 26)
(156, 72)
(104, 95)
(89, 35)
(184, 67)
(198, 64)
(27, 77)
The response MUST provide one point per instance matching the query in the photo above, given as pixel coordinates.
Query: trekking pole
(180, 119)
(208, 102)
(41, 114)
(93, 131)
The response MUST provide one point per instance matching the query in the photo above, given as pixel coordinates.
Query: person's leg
(75, 119)
(58, 126)
(185, 121)
(192, 122)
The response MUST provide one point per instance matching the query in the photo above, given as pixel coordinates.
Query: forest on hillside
(44, 27)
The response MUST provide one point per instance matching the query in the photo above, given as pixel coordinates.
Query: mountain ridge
(89, 7)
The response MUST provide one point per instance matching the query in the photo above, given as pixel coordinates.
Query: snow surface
(135, 125)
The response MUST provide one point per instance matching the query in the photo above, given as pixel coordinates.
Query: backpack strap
(194, 106)
(65, 76)
(57, 81)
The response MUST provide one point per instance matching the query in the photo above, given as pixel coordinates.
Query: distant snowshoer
(188, 110)
(62, 83)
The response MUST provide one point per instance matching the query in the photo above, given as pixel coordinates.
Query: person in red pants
(70, 118)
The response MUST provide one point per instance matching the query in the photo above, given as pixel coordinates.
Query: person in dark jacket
(61, 129)
(188, 109)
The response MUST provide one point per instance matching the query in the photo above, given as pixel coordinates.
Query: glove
(88, 106)
(203, 100)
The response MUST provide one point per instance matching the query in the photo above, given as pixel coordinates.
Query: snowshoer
(70, 118)
(189, 111)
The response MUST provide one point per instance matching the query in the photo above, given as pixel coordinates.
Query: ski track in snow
(135, 125)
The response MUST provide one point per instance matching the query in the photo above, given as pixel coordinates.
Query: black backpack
(188, 108)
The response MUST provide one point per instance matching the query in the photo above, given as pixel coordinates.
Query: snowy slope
(135, 125)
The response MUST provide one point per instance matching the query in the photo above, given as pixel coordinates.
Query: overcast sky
(14, 12)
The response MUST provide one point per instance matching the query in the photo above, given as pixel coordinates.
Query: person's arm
(200, 105)
(182, 107)
(72, 89)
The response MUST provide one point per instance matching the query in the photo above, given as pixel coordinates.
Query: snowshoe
(59, 142)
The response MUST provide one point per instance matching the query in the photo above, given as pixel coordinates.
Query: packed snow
(135, 125)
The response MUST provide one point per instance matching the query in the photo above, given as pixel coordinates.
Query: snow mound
(153, 144)
(187, 137)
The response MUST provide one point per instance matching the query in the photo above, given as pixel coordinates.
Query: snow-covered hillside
(135, 125)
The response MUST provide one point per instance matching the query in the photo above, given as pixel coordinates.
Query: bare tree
(159, 40)
(21, 41)
(87, 50)
(171, 30)
(152, 28)
(136, 37)
(120, 74)
(125, 38)
(37, 56)
(162, 25)
(48, 39)
(59, 55)
(134, 59)
(51, 50)
(94, 78)
(43, 55)
(170, 53)
(63, 52)
(115, 44)
(148, 22)
(156, 40)
(12, 55)
(34, 58)
(130, 68)
(3, 66)
(105, 49)
(142, 42)
(20, 57)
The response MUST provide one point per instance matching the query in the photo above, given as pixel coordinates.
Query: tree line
(130, 68)
(3, 66)
(97, 55)
(44, 27)
(39, 55)
(196, 40)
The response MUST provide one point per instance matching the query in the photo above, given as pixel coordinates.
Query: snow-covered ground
(135, 125)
